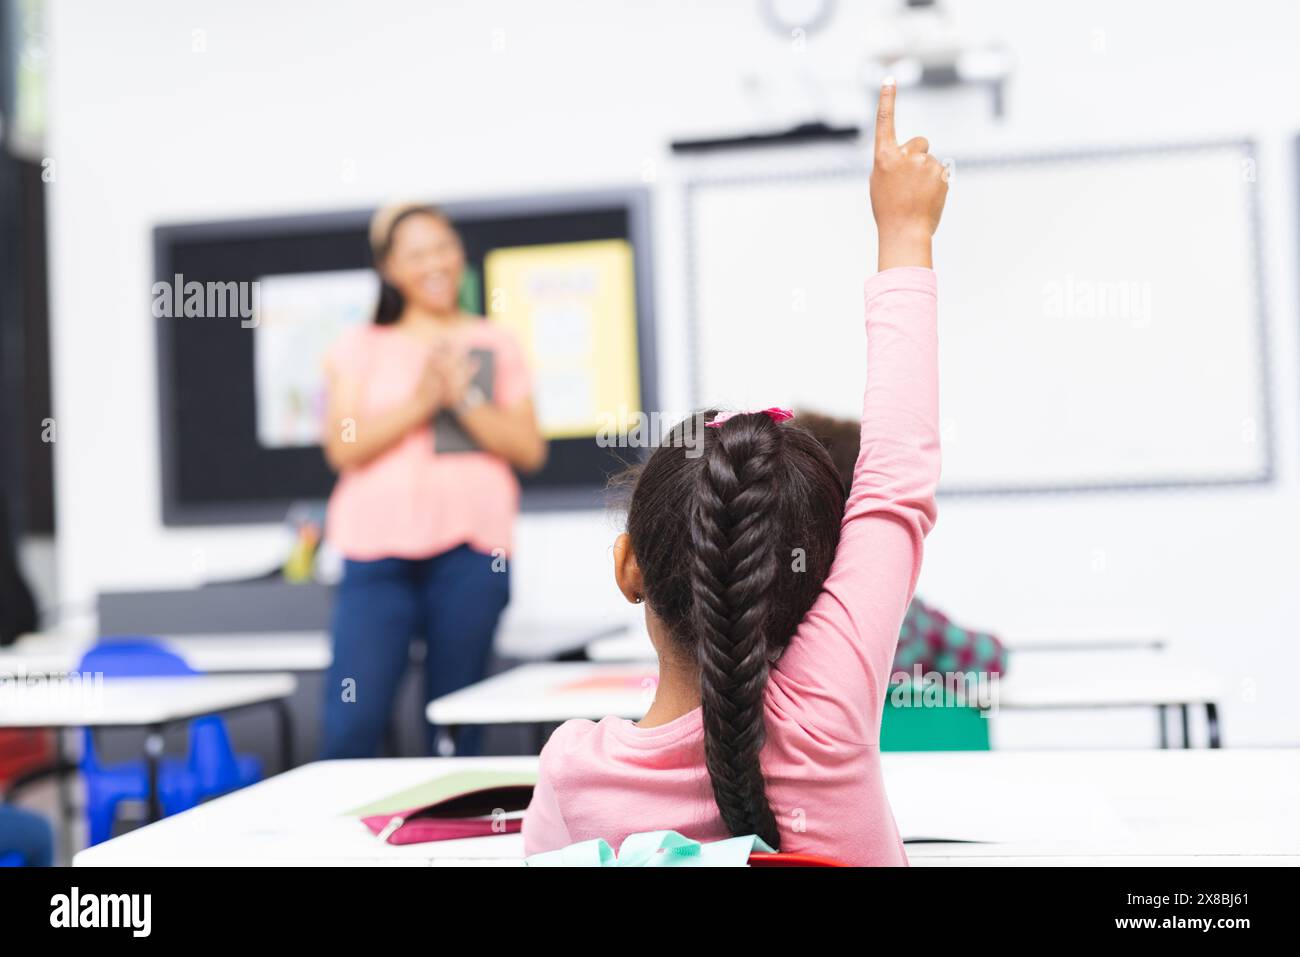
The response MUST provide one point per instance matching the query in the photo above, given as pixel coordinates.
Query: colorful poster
(299, 317)
(573, 307)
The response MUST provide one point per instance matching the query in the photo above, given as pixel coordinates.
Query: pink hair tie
(775, 414)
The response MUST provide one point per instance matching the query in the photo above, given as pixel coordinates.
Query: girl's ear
(627, 574)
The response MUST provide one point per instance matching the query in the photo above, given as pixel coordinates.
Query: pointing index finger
(885, 116)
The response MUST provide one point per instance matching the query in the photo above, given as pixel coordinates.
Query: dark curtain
(26, 500)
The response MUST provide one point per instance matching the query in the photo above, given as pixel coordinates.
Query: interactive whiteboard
(1101, 314)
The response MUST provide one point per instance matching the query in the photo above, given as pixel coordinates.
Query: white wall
(295, 107)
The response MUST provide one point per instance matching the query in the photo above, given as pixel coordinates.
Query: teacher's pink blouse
(411, 501)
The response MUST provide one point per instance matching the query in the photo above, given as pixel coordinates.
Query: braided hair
(734, 532)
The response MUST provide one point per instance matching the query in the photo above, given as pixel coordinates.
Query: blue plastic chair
(211, 767)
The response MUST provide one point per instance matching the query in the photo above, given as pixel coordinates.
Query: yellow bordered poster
(573, 308)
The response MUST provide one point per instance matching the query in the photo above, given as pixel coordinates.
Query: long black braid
(734, 544)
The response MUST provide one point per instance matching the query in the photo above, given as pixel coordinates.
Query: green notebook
(442, 788)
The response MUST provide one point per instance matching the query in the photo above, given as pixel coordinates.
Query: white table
(1114, 679)
(148, 703)
(299, 651)
(296, 818)
(1026, 807)
(544, 639)
(634, 644)
(537, 693)
(631, 645)
(1102, 807)
(544, 693)
(1086, 638)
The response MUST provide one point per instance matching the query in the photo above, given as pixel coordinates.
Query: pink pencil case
(472, 814)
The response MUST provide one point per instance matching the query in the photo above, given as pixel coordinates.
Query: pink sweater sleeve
(544, 828)
(835, 672)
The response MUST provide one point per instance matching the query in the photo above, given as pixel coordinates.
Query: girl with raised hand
(774, 603)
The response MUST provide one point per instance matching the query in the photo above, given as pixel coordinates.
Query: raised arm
(908, 189)
(835, 672)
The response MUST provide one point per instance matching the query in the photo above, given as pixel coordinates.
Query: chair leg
(1212, 720)
(446, 744)
(153, 751)
(284, 718)
(100, 816)
(64, 784)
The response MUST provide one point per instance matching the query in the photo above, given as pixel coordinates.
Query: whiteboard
(1101, 318)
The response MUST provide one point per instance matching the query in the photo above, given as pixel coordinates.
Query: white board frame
(1251, 194)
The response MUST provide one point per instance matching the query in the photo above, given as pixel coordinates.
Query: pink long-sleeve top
(824, 697)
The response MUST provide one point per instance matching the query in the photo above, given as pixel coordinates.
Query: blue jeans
(27, 835)
(452, 600)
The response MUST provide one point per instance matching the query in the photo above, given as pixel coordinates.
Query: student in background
(26, 835)
(773, 604)
(929, 639)
(425, 523)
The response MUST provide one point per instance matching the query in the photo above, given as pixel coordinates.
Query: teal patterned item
(653, 849)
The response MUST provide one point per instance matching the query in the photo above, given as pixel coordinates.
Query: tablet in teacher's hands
(448, 434)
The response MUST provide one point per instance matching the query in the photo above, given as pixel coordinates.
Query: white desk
(548, 692)
(148, 703)
(634, 644)
(301, 651)
(1113, 679)
(553, 692)
(296, 818)
(631, 645)
(1030, 807)
(541, 640)
(134, 702)
(1087, 638)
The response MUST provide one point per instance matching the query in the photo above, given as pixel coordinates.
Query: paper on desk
(621, 681)
(442, 788)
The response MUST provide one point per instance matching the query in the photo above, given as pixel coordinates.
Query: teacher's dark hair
(389, 307)
(734, 529)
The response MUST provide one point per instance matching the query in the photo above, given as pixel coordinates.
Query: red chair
(23, 752)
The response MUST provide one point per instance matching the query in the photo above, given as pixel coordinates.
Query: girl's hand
(908, 188)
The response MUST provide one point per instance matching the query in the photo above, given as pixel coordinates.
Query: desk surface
(45, 654)
(550, 691)
(297, 818)
(134, 701)
(634, 644)
(557, 691)
(539, 640)
(1105, 679)
(300, 651)
(1032, 807)
(631, 645)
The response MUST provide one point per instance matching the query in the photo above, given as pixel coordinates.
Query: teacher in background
(425, 531)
